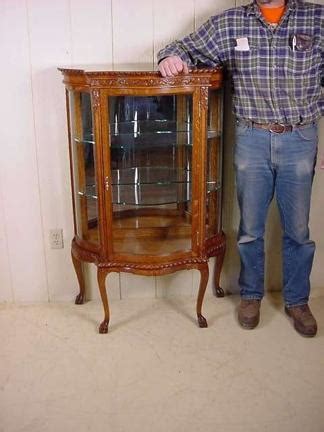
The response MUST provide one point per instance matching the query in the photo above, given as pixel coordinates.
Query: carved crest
(204, 97)
(158, 81)
(95, 99)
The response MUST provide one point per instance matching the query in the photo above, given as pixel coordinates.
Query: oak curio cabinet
(146, 169)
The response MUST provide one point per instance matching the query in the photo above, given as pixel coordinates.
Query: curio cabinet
(146, 170)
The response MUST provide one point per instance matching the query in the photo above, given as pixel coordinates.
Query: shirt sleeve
(198, 48)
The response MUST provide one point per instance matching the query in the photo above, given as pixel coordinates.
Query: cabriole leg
(79, 272)
(101, 277)
(219, 292)
(204, 273)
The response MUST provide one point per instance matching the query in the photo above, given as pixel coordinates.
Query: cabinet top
(135, 75)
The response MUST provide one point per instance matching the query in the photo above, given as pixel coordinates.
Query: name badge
(242, 44)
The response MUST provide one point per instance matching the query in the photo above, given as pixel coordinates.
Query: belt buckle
(277, 128)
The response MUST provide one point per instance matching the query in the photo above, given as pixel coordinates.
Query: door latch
(107, 183)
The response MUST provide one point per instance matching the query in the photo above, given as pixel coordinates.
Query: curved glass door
(214, 164)
(83, 167)
(150, 182)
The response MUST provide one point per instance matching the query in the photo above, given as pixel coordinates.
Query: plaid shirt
(276, 72)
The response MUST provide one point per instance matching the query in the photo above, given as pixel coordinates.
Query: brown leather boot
(249, 313)
(304, 321)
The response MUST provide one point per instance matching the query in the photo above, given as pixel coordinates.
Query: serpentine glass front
(151, 173)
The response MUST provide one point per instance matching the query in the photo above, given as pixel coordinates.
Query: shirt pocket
(303, 55)
(299, 63)
(302, 72)
(245, 61)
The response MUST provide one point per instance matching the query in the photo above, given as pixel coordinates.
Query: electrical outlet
(56, 238)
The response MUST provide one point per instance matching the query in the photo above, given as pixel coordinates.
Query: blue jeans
(268, 163)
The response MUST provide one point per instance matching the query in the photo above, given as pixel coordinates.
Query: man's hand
(172, 65)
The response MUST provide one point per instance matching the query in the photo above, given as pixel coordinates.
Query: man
(274, 52)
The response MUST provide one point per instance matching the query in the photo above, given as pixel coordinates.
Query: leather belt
(274, 127)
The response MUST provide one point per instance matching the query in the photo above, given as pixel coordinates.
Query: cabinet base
(215, 247)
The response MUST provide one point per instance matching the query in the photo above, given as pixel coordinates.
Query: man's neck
(270, 3)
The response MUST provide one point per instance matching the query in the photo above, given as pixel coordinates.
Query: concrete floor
(156, 371)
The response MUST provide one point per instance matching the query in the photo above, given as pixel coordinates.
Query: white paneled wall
(91, 31)
(132, 24)
(19, 165)
(50, 45)
(206, 8)
(172, 20)
(37, 36)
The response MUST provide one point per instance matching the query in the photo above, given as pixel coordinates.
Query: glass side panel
(214, 164)
(151, 161)
(83, 163)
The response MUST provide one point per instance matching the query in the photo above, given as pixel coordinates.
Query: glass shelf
(156, 128)
(88, 138)
(84, 141)
(151, 140)
(213, 134)
(145, 186)
(148, 126)
(89, 192)
(142, 138)
(149, 175)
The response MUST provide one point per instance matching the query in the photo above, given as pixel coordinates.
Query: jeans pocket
(308, 133)
(241, 128)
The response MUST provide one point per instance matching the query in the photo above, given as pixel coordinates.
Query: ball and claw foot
(202, 322)
(219, 292)
(103, 328)
(79, 299)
